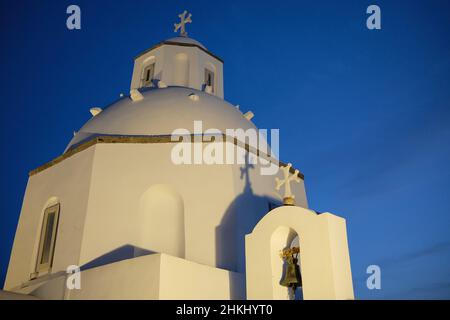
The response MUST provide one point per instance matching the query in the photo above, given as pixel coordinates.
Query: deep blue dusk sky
(364, 114)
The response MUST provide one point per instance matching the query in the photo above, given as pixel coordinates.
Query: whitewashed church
(140, 226)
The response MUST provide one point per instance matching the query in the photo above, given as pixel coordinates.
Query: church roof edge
(178, 43)
(93, 140)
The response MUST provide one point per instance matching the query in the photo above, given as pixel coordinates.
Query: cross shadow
(239, 219)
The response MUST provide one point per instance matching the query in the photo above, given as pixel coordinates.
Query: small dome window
(147, 75)
(209, 81)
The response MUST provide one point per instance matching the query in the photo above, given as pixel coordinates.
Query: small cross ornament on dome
(288, 198)
(182, 24)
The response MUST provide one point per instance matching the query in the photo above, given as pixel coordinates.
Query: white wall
(154, 276)
(180, 66)
(219, 207)
(325, 261)
(161, 217)
(102, 219)
(69, 182)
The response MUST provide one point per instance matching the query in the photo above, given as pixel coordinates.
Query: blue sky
(364, 114)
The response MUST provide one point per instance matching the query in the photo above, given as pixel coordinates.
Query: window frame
(43, 267)
(147, 68)
(213, 80)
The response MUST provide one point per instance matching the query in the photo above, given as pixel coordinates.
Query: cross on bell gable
(288, 198)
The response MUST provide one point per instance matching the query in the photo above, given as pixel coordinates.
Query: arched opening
(148, 72)
(161, 212)
(209, 81)
(325, 262)
(181, 70)
(281, 239)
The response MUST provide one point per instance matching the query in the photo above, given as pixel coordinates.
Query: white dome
(161, 112)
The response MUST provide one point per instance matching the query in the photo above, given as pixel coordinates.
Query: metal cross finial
(182, 24)
(288, 196)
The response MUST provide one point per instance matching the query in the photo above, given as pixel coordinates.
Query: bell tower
(179, 61)
(311, 247)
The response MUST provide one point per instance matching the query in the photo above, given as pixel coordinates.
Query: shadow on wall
(58, 286)
(239, 219)
(124, 252)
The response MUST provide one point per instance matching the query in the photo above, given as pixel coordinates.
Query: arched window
(148, 74)
(283, 238)
(48, 238)
(209, 81)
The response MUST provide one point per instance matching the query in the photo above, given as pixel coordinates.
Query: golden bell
(292, 277)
